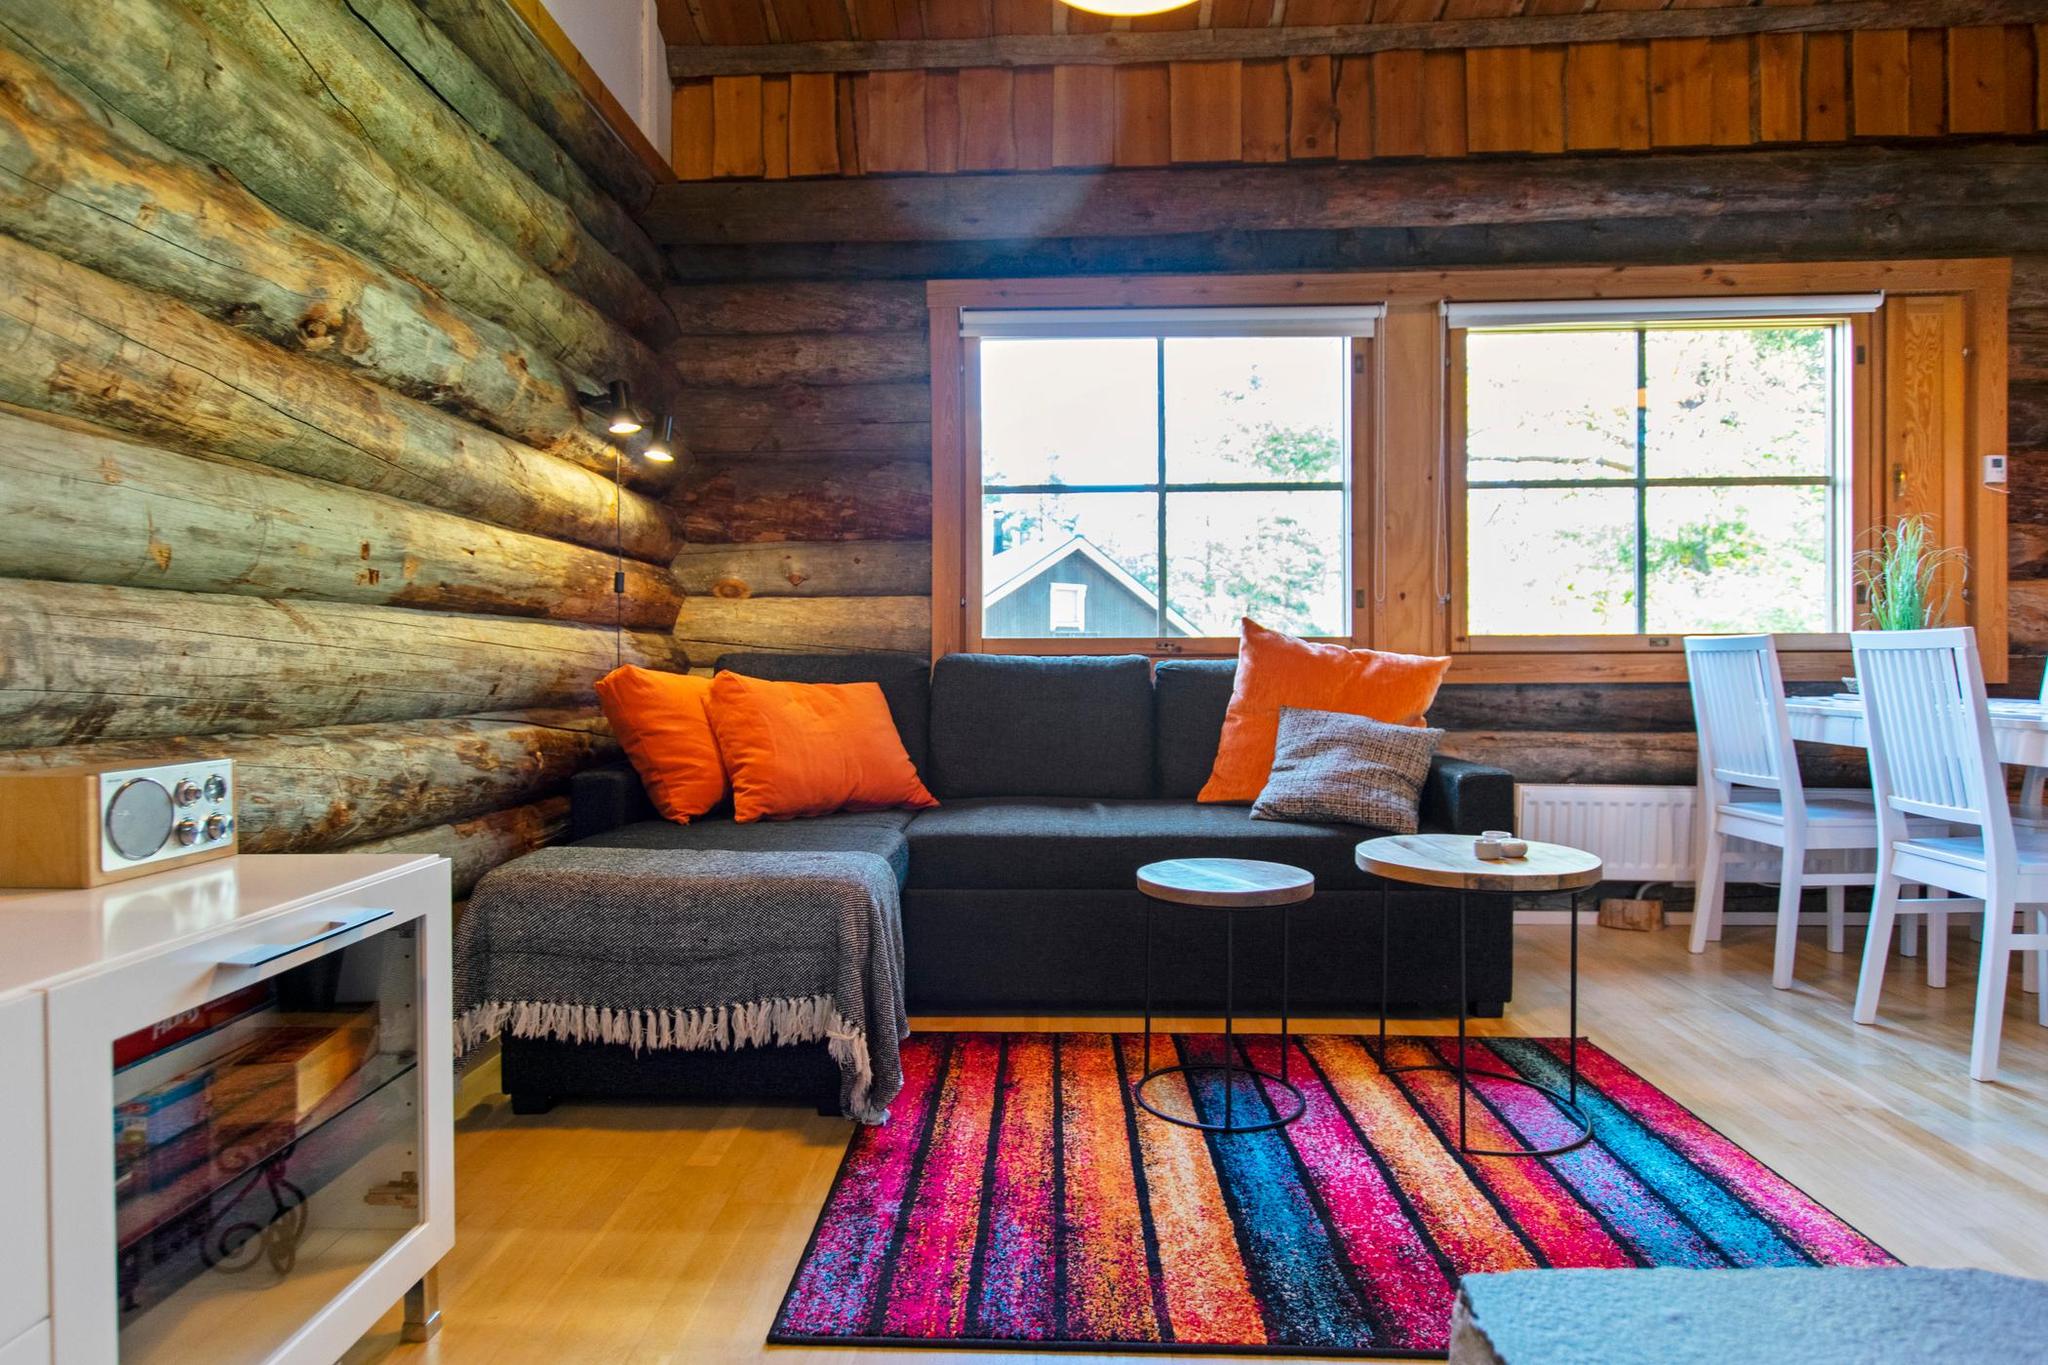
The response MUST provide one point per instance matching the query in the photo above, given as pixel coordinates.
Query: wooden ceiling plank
(1132, 47)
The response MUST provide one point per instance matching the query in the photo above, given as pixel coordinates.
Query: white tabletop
(2018, 726)
(48, 936)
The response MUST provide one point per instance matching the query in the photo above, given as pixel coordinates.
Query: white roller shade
(1621, 312)
(1072, 323)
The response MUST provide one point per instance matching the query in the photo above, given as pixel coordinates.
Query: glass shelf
(267, 1150)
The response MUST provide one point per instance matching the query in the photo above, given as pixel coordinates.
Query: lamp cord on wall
(619, 556)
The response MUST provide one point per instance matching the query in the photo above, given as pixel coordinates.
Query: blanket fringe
(775, 1022)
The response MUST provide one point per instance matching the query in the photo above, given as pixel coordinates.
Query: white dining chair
(1751, 789)
(1933, 757)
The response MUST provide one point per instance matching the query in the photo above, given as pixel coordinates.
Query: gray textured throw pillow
(1351, 769)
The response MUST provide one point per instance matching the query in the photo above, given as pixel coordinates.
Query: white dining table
(2018, 726)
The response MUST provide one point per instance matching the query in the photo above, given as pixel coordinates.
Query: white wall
(622, 42)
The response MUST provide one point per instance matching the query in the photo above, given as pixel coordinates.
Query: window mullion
(1159, 400)
(1642, 488)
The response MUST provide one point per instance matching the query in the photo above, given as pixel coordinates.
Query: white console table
(254, 1210)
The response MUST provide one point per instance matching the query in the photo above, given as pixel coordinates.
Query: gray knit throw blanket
(697, 950)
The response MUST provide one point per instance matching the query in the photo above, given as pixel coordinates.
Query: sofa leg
(530, 1103)
(1488, 1009)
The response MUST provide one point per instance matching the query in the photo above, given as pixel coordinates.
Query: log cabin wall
(299, 295)
(804, 332)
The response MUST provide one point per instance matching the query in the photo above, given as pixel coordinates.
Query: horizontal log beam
(477, 845)
(157, 64)
(507, 49)
(806, 500)
(1650, 758)
(708, 627)
(340, 66)
(1617, 707)
(75, 342)
(1344, 196)
(847, 405)
(830, 359)
(847, 568)
(1331, 40)
(301, 791)
(83, 506)
(742, 308)
(83, 182)
(811, 440)
(1987, 229)
(798, 419)
(468, 90)
(82, 663)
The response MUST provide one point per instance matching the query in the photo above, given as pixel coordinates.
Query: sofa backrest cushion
(905, 681)
(1015, 725)
(1190, 699)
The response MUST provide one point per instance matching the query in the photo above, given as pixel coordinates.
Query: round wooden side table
(1229, 885)
(1446, 861)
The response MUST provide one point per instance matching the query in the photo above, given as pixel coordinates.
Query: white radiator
(1642, 834)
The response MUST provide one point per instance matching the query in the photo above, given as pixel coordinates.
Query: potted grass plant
(1902, 577)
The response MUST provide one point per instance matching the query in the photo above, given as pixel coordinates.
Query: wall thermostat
(85, 826)
(1994, 469)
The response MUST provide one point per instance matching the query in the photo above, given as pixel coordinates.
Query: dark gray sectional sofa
(1058, 778)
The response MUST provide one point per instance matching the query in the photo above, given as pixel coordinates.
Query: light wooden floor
(667, 1234)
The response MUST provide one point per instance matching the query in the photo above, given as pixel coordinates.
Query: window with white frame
(1668, 471)
(1069, 607)
(1191, 464)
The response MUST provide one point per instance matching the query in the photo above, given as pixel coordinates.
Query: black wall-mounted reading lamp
(615, 404)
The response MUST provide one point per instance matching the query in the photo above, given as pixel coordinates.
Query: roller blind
(1594, 312)
(1072, 323)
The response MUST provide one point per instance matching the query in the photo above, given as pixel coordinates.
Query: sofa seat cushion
(1072, 843)
(878, 832)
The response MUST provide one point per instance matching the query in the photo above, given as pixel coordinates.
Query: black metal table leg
(1148, 986)
(1464, 1081)
(1572, 1042)
(1229, 1067)
(1286, 957)
(1385, 976)
(1229, 1013)
(1466, 1073)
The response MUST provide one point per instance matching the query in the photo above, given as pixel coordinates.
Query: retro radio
(88, 825)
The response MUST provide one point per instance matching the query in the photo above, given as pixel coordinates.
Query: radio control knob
(216, 826)
(186, 833)
(186, 792)
(216, 787)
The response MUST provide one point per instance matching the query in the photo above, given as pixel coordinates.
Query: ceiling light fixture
(1127, 9)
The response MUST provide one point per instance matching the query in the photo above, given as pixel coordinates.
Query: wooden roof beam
(1250, 44)
(1343, 196)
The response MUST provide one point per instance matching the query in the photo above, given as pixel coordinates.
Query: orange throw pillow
(810, 748)
(1276, 670)
(661, 721)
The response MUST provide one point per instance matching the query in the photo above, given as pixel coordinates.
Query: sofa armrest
(603, 799)
(1462, 797)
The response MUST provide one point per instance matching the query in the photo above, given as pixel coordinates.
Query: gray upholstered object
(1835, 1316)
(1190, 698)
(1018, 725)
(1351, 769)
(661, 950)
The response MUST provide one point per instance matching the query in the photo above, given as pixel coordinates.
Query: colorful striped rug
(1018, 1197)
